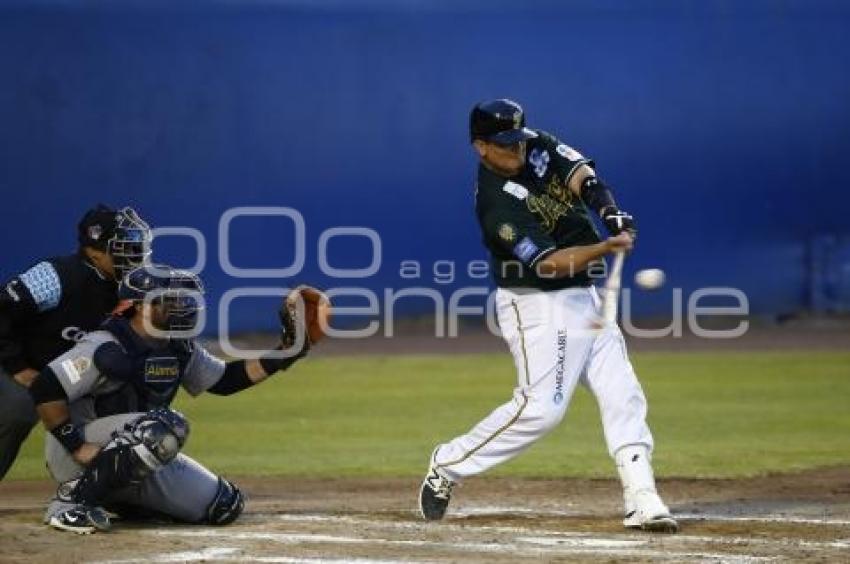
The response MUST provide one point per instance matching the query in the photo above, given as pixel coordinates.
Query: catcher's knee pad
(227, 504)
(156, 437)
(141, 447)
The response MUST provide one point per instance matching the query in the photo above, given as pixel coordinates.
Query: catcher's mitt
(304, 317)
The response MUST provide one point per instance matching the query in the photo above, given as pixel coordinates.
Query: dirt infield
(789, 517)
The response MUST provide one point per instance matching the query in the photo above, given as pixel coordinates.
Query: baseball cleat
(81, 520)
(435, 494)
(661, 524)
(649, 513)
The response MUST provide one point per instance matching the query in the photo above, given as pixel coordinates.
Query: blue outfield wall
(724, 126)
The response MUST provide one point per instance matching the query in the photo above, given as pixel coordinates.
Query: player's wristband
(69, 435)
(596, 195)
(272, 364)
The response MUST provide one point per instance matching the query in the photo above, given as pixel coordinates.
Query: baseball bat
(612, 289)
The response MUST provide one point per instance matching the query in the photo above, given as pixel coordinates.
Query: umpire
(47, 309)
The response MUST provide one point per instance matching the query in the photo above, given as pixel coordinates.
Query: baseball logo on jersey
(547, 209)
(539, 161)
(74, 334)
(10, 289)
(161, 369)
(559, 191)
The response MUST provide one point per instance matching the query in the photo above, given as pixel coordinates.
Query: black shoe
(81, 520)
(661, 524)
(435, 494)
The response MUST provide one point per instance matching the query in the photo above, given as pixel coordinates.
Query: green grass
(712, 415)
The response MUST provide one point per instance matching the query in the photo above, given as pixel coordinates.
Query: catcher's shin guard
(141, 447)
(227, 504)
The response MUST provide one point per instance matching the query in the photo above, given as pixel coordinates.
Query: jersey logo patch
(74, 334)
(516, 190)
(74, 368)
(161, 369)
(539, 161)
(507, 232)
(548, 210)
(526, 249)
(569, 153)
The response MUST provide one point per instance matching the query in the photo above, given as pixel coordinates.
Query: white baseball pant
(554, 346)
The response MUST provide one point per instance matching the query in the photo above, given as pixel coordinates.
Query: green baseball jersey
(529, 215)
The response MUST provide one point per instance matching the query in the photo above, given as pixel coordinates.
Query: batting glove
(618, 221)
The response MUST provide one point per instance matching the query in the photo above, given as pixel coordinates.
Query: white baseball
(649, 278)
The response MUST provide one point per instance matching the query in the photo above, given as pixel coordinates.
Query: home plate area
(789, 517)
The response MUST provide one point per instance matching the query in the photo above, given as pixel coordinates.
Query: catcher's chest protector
(156, 373)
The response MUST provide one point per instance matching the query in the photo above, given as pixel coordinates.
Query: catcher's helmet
(122, 234)
(180, 292)
(499, 121)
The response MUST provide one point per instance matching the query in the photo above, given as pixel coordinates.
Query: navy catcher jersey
(114, 371)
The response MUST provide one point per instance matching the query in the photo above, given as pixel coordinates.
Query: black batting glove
(618, 221)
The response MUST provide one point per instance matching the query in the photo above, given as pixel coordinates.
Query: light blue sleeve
(203, 371)
(44, 285)
(76, 371)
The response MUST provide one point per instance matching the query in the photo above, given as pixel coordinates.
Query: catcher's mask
(177, 294)
(122, 234)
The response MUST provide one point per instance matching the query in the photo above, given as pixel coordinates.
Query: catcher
(113, 443)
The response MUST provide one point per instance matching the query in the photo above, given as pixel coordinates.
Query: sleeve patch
(74, 368)
(568, 152)
(525, 250)
(44, 285)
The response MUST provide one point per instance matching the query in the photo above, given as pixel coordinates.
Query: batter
(532, 201)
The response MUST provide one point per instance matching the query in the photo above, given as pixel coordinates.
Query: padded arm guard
(597, 195)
